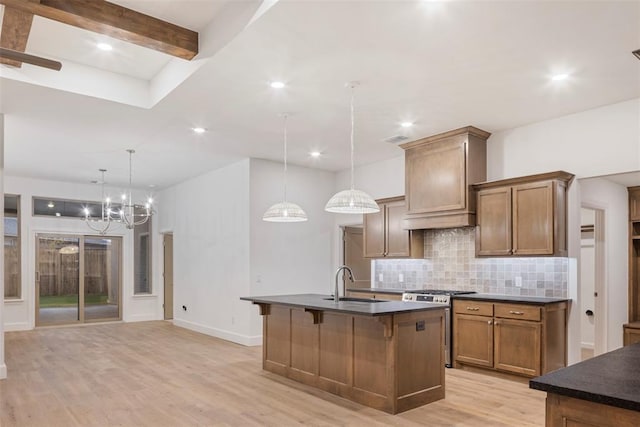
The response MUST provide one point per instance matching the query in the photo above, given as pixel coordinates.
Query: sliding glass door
(78, 279)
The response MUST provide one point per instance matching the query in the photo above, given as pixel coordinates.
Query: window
(12, 283)
(142, 258)
(43, 206)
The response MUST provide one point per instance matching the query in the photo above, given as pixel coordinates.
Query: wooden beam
(13, 55)
(16, 26)
(115, 21)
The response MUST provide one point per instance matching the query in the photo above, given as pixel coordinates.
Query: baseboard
(3, 371)
(17, 326)
(219, 333)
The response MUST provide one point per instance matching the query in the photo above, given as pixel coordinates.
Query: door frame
(600, 278)
(81, 282)
(164, 279)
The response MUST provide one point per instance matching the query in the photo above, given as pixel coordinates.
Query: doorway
(78, 279)
(168, 276)
(592, 266)
(353, 256)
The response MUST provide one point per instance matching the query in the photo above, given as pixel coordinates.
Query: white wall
(596, 142)
(209, 218)
(20, 314)
(290, 258)
(223, 250)
(613, 199)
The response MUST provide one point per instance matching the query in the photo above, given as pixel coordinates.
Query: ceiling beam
(16, 26)
(17, 56)
(115, 21)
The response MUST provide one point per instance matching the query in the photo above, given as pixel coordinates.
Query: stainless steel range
(438, 296)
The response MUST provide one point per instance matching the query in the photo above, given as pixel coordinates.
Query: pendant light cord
(285, 158)
(352, 136)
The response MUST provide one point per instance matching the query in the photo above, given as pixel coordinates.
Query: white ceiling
(441, 64)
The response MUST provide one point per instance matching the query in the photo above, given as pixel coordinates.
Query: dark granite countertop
(377, 290)
(611, 379)
(318, 302)
(510, 298)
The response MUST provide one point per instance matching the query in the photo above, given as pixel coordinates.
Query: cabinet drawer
(518, 311)
(473, 307)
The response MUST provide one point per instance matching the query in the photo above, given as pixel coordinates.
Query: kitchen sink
(351, 299)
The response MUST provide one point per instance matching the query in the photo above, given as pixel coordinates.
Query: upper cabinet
(439, 171)
(384, 236)
(524, 216)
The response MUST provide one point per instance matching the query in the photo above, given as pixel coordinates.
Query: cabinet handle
(519, 313)
(489, 322)
(514, 251)
(496, 323)
(510, 251)
(473, 308)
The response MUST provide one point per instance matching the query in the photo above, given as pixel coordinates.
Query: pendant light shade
(285, 211)
(352, 201)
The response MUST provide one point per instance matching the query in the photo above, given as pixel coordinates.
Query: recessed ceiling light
(199, 130)
(51, 205)
(58, 214)
(277, 85)
(558, 77)
(406, 124)
(104, 46)
(315, 154)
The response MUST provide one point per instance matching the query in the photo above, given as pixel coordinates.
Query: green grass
(71, 300)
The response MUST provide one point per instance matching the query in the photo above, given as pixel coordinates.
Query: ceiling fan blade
(29, 59)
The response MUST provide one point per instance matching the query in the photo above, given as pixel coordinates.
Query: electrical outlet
(380, 279)
(400, 277)
(518, 281)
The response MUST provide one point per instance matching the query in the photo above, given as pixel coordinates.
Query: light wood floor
(156, 374)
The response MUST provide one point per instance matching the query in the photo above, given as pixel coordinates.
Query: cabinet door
(473, 340)
(533, 221)
(374, 230)
(493, 235)
(517, 346)
(436, 177)
(398, 242)
(634, 204)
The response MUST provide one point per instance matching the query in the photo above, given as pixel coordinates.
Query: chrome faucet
(336, 296)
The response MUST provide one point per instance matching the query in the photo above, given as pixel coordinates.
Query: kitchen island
(388, 355)
(603, 391)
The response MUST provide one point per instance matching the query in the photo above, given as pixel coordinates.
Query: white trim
(587, 345)
(17, 326)
(143, 296)
(219, 333)
(13, 300)
(3, 371)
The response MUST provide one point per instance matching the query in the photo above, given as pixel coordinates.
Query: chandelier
(131, 214)
(352, 201)
(103, 223)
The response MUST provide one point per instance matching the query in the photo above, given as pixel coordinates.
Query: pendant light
(285, 211)
(131, 214)
(100, 224)
(352, 201)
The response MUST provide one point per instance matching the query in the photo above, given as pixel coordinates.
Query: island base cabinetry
(564, 411)
(392, 363)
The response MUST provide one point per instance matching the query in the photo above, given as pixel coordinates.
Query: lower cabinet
(631, 333)
(522, 339)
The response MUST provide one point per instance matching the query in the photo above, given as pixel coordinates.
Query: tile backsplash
(450, 263)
